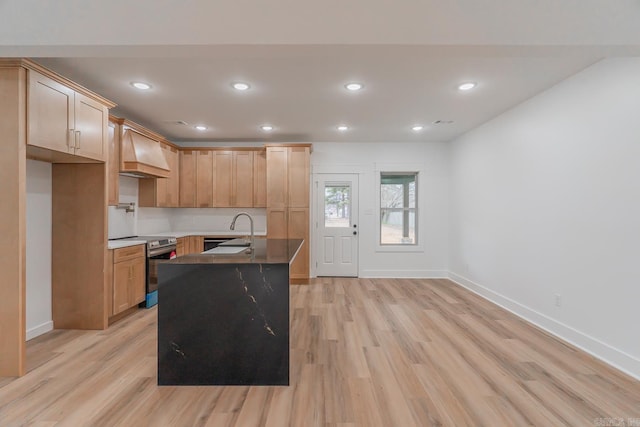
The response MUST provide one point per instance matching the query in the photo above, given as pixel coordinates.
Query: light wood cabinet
(196, 244)
(128, 275)
(233, 178)
(287, 193)
(113, 163)
(277, 177)
(242, 179)
(222, 179)
(204, 179)
(182, 246)
(260, 179)
(162, 192)
(64, 120)
(187, 180)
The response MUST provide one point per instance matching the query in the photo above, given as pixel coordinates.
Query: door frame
(340, 169)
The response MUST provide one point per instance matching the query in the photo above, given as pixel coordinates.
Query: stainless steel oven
(157, 255)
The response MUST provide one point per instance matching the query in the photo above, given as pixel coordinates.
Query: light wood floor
(364, 353)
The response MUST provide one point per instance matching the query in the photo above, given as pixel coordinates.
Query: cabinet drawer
(130, 252)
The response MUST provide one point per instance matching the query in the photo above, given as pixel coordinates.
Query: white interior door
(336, 226)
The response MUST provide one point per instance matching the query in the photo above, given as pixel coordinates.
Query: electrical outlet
(558, 298)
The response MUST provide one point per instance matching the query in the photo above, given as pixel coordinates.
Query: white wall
(432, 159)
(38, 266)
(546, 201)
(121, 222)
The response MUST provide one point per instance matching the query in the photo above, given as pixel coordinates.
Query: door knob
(354, 226)
(355, 232)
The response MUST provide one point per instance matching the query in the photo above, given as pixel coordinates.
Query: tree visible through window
(398, 208)
(337, 204)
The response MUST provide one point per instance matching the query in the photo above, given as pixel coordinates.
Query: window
(398, 208)
(337, 205)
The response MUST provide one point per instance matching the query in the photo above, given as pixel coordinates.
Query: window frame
(404, 169)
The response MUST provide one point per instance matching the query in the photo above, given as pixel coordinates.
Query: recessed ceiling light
(467, 86)
(353, 87)
(343, 128)
(241, 86)
(266, 128)
(417, 128)
(141, 85)
(201, 127)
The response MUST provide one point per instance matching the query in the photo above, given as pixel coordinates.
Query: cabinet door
(50, 115)
(187, 180)
(180, 246)
(137, 286)
(277, 223)
(277, 177)
(242, 194)
(122, 273)
(196, 244)
(173, 183)
(91, 120)
(260, 179)
(298, 228)
(204, 179)
(298, 177)
(113, 163)
(223, 167)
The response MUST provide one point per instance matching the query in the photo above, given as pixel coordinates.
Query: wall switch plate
(558, 299)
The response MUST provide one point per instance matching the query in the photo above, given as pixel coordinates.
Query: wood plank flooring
(383, 352)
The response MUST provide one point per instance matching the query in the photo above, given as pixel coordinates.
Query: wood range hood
(141, 156)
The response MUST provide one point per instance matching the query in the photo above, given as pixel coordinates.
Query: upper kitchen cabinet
(65, 122)
(288, 176)
(233, 178)
(113, 162)
(187, 179)
(162, 192)
(260, 179)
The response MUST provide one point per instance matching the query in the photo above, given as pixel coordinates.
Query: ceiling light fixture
(201, 127)
(266, 128)
(141, 85)
(417, 128)
(241, 86)
(467, 86)
(343, 128)
(354, 87)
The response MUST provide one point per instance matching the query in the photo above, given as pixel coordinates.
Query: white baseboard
(404, 274)
(603, 351)
(39, 330)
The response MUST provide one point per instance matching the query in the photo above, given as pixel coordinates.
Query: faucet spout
(233, 225)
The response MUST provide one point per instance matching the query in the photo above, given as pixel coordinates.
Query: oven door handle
(161, 251)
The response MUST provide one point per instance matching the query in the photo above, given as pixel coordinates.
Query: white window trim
(402, 168)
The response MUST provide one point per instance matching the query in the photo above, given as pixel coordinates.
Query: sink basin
(226, 250)
(236, 242)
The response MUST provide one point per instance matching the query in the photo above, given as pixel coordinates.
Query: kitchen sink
(226, 250)
(236, 242)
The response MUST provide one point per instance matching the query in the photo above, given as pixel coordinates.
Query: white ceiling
(297, 55)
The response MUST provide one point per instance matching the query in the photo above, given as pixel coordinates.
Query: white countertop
(116, 244)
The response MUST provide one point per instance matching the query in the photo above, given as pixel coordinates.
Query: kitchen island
(224, 319)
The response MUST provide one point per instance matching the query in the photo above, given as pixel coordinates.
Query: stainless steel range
(159, 249)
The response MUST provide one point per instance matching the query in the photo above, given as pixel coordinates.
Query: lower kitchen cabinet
(128, 278)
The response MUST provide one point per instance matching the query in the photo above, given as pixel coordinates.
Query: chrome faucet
(233, 225)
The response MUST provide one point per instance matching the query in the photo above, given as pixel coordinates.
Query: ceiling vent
(443, 122)
(176, 122)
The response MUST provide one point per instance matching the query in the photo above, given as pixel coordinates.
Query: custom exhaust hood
(142, 157)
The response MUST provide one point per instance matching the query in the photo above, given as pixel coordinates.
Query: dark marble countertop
(266, 251)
